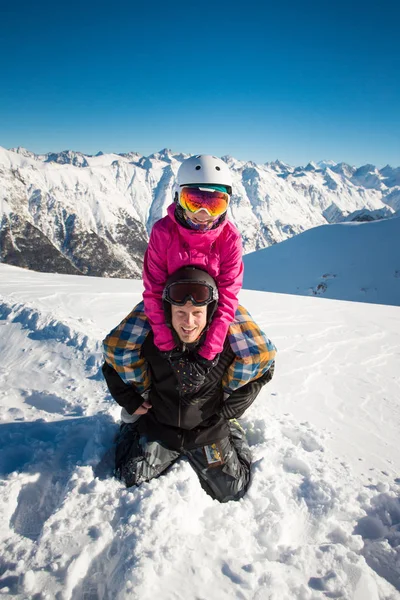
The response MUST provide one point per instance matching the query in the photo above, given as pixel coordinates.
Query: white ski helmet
(205, 169)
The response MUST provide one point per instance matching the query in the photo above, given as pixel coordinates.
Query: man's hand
(144, 408)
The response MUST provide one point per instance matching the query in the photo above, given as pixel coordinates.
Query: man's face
(189, 321)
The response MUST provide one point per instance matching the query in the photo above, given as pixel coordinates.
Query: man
(179, 405)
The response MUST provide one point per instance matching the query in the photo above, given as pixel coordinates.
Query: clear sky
(295, 80)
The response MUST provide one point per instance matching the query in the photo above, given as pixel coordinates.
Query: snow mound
(321, 516)
(41, 326)
(356, 261)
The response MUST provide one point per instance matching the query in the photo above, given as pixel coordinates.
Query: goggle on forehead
(214, 202)
(180, 292)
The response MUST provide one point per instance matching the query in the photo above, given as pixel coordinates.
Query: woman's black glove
(190, 369)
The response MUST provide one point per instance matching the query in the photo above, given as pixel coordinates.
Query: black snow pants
(223, 468)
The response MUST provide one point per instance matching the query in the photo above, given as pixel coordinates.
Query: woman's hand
(191, 370)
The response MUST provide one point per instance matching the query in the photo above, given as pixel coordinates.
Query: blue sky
(301, 81)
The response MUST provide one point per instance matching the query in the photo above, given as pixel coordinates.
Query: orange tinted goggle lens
(213, 201)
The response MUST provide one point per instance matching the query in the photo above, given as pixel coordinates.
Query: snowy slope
(71, 213)
(321, 518)
(348, 261)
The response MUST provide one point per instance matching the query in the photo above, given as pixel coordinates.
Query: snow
(320, 520)
(346, 261)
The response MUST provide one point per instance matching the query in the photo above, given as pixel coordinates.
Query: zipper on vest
(179, 393)
(183, 442)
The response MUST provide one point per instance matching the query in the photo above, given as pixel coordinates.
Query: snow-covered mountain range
(72, 213)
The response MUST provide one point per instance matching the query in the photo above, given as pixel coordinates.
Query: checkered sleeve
(122, 349)
(254, 352)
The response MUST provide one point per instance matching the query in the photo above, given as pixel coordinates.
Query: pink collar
(191, 236)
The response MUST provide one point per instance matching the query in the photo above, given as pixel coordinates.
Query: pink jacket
(218, 251)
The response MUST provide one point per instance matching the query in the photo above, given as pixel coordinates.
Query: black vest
(183, 421)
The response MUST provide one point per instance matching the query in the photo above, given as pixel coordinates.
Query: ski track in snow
(310, 527)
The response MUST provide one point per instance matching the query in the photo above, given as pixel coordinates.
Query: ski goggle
(214, 202)
(200, 294)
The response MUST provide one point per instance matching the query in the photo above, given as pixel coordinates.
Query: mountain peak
(164, 154)
(68, 157)
(23, 152)
(279, 165)
(364, 169)
(312, 166)
(323, 164)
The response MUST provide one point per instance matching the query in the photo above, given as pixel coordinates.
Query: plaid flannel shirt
(254, 352)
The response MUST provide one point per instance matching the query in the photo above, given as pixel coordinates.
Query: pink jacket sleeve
(229, 281)
(155, 274)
